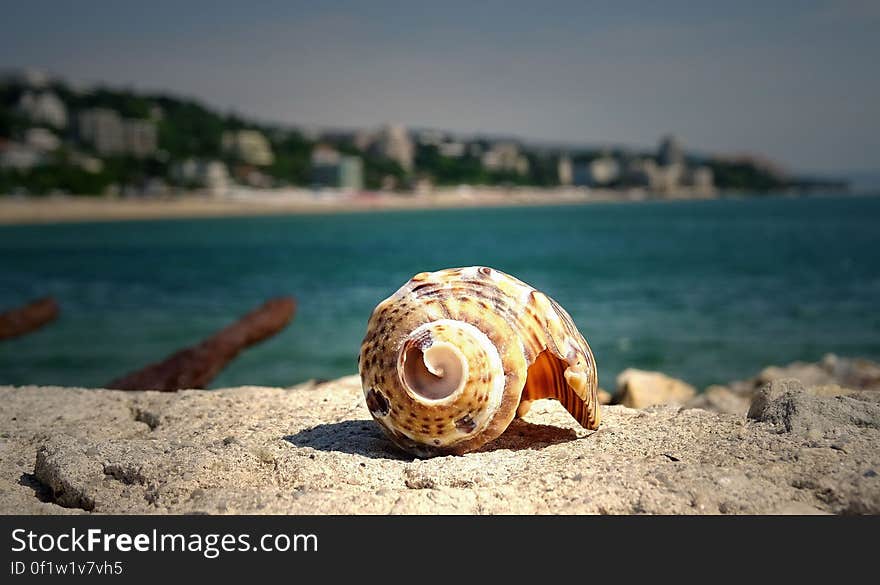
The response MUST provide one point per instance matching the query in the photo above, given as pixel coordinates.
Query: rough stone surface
(641, 389)
(832, 376)
(313, 449)
(720, 399)
(794, 409)
(809, 374)
(853, 372)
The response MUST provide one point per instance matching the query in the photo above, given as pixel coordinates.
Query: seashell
(453, 356)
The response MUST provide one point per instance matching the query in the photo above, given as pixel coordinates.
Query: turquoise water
(708, 291)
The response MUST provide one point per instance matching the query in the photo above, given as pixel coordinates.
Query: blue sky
(797, 81)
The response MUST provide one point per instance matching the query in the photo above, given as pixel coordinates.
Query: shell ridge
(514, 345)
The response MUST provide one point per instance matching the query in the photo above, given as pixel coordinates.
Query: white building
(249, 146)
(665, 179)
(394, 143)
(564, 170)
(599, 172)
(41, 139)
(215, 177)
(702, 179)
(603, 171)
(211, 175)
(43, 108)
(102, 128)
(672, 180)
(505, 156)
(332, 169)
(15, 155)
(112, 135)
(452, 149)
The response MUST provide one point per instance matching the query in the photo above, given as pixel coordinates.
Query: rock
(798, 509)
(641, 389)
(790, 407)
(849, 374)
(808, 374)
(865, 395)
(314, 449)
(742, 387)
(833, 376)
(829, 390)
(720, 399)
(853, 372)
(605, 397)
(723, 399)
(71, 475)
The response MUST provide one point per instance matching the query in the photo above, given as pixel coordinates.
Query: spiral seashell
(453, 356)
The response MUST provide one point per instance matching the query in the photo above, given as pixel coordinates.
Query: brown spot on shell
(466, 424)
(377, 403)
(520, 322)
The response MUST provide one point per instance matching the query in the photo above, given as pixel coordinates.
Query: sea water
(708, 291)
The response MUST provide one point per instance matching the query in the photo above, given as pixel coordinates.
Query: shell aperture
(453, 356)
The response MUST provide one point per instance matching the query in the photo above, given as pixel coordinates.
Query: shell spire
(453, 356)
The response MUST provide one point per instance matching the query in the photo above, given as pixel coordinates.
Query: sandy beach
(314, 449)
(251, 203)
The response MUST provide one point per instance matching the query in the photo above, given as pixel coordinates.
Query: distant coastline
(57, 138)
(71, 209)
